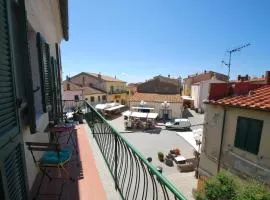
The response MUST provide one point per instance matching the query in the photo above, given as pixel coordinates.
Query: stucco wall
(195, 89)
(96, 99)
(239, 161)
(70, 95)
(86, 80)
(43, 17)
(120, 86)
(175, 107)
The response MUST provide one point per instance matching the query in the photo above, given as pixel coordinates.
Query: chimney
(67, 78)
(115, 77)
(169, 76)
(99, 75)
(267, 77)
(239, 77)
(205, 71)
(246, 79)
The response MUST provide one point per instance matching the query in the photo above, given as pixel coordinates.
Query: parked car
(179, 124)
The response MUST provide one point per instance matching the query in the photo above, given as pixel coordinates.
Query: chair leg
(45, 173)
(67, 174)
(39, 186)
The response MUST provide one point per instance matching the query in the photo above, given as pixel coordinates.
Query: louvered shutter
(31, 115)
(44, 66)
(56, 89)
(59, 64)
(12, 176)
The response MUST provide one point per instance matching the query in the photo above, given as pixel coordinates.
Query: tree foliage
(225, 186)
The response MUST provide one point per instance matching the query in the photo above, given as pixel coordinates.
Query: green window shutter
(248, 134)
(14, 174)
(12, 177)
(241, 132)
(8, 109)
(254, 136)
(44, 64)
(59, 64)
(28, 72)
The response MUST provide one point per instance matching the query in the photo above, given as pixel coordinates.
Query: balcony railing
(134, 176)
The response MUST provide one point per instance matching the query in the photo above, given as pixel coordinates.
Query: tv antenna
(230, 56)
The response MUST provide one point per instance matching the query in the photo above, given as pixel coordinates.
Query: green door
(12, 176)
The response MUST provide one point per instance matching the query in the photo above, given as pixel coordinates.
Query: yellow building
(114, 88)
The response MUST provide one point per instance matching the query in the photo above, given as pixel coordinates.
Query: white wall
(195, 89)
(43, 16)
(175, 107)
(200, 92)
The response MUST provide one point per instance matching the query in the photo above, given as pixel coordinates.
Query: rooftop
(154, 97)
(86, 90)
(105, 77)
(258, 99)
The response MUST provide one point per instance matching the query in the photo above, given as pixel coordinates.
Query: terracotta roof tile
(256, 99)
(154, 97)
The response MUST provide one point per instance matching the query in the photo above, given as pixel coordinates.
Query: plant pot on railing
(161, 156)
(78, 115)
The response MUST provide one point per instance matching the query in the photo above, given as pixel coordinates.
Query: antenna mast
(230, 56)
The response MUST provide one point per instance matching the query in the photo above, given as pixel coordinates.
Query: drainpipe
(221, 140)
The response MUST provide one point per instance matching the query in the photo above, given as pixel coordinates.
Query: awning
(138, 114)
(143, 108)
(101, 106)
(187, 98)
(152, 115)
(126, 113)
(114, 108)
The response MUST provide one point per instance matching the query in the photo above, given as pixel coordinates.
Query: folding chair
(53, 157)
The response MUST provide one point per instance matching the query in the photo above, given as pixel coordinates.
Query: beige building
(236, 132)
(73, 92)
(172, 109)
(31, 32)
(114, 88)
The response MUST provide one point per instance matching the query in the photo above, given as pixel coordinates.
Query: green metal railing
(134, 176)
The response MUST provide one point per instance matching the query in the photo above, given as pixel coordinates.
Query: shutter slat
(14, 175)
(7, 100)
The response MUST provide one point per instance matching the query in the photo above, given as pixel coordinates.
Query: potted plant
(177, 151)
(161, 156)
(78, 114)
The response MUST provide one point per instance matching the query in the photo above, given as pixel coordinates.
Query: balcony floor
(93, 180)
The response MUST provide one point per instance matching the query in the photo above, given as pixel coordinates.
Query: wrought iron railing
(134, 176)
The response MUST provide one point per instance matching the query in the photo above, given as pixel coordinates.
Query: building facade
(114, 88)
(200, 92)
(196, 78)
(30, 85)
(173, 104)
(75, 92)
(236, 131)
(161, 85)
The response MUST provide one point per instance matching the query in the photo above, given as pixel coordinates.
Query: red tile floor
(87, 185)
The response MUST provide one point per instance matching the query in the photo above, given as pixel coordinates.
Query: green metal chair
(53, 157)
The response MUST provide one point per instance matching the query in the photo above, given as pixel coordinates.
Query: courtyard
(150, 142)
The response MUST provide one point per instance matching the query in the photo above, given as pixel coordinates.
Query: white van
(179, 124)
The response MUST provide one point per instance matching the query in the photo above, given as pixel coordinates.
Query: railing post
(115, 162)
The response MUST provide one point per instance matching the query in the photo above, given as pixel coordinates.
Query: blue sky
(137, 39)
